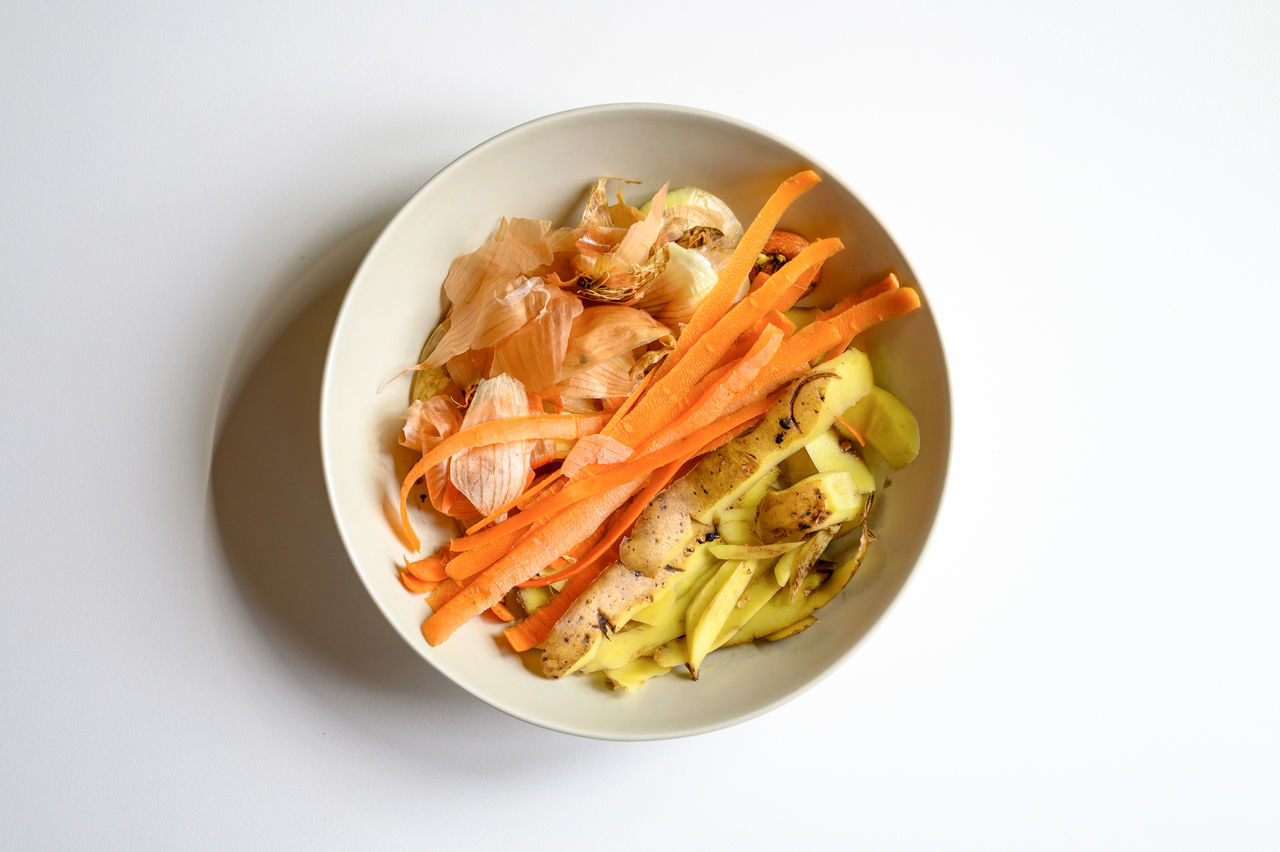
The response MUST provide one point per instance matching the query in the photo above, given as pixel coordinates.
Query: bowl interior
(543, 170)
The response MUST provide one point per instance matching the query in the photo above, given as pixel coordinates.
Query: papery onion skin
(534, 355)
(685, 279)
(494, 475)
(707, 210)
(427, 423)
(604, 332)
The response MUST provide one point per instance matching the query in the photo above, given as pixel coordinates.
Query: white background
(1085, 658)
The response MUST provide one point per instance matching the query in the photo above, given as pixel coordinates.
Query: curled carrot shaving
(857, 436)
(410, 535)
(527, 427)
(413, 584)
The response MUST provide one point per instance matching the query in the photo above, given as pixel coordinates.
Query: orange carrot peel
(673, 391)
(529, 427)
(594, 480)
(735, 269)
(537, 627)
(431, 569)
(534, 552)
(619, 524)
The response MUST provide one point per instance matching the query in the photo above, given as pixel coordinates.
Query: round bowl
(542, 169)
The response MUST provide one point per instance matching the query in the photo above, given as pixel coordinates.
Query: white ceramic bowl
(542, 169)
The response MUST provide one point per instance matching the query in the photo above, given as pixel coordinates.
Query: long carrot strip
(622, 521)
(717, 302)
(528, 427)
(443, 593)
(595, 479)
(777, 319)
(794, 355)
(475, 560)
(724, 387)
(887, 284)
(531, 555)
(618, 525)
(535, 629)
(882, 288)
(877, 309)
(672, 392)
(431, 569)
(884, 285)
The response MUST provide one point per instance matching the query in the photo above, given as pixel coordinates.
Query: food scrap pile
(626, 420)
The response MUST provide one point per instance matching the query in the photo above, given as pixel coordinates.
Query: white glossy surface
(540, 170)
(1085, 656)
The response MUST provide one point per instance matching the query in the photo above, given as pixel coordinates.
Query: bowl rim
(391, 226)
